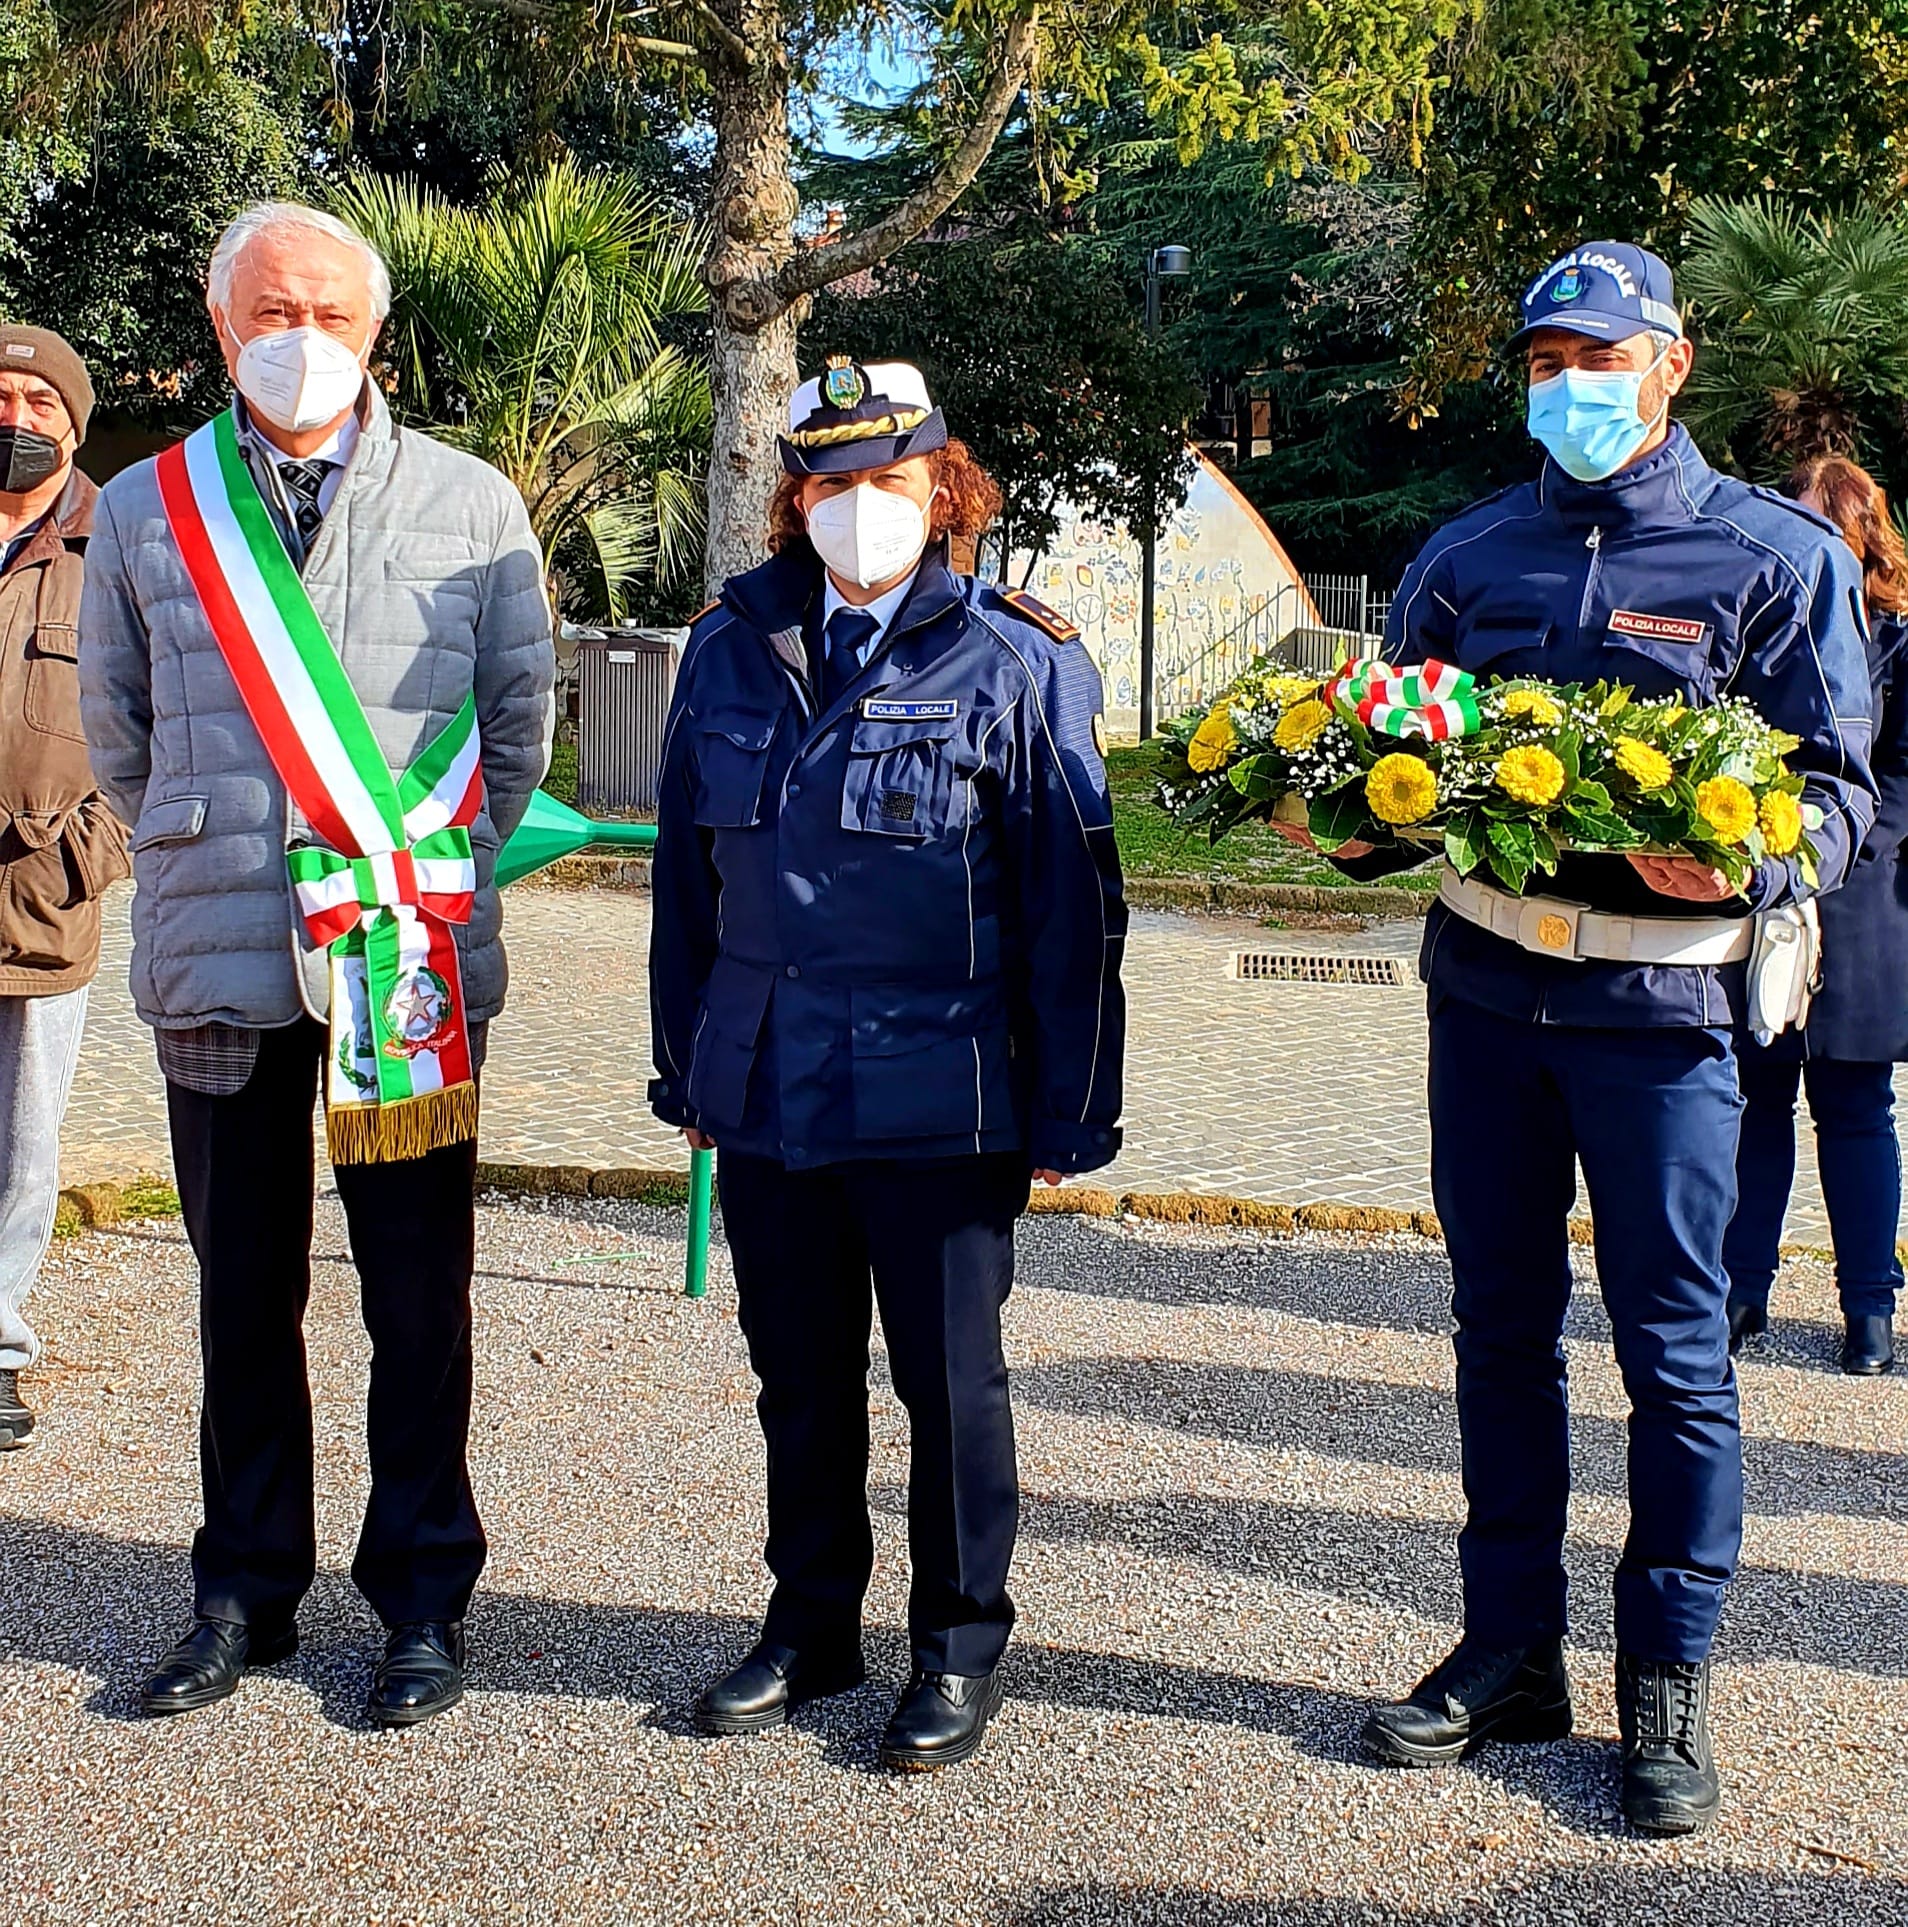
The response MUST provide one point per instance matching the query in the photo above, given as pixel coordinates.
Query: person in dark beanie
(60, 845)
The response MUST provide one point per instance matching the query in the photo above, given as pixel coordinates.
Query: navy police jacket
(1675, 580)
(890, 927)
(1860, 1014)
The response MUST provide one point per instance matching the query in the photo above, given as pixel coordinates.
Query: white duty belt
(1555, 927)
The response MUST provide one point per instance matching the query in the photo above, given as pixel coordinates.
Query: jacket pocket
(727, 1031)
(900, 779)
(930, 1063)
(52, 682)
(731, 762)
(178, 819)
(46, 921)
(1692, 664)
(96, 840)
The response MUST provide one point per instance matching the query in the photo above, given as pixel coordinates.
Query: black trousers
(937, 1240)
(244, 1166)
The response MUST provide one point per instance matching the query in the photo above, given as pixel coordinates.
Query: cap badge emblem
(1569, 286)
(843, 385)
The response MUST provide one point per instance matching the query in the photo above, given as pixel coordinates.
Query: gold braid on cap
(899, 423)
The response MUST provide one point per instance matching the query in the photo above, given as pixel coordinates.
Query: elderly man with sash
(316, 661)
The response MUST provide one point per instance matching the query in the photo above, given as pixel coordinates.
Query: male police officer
(885, 982)
(1597, 1026)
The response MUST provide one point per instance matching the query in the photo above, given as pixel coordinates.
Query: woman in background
(1857, 1029)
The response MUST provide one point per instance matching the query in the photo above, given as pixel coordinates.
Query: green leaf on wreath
(1338, 817)
(1466, 842)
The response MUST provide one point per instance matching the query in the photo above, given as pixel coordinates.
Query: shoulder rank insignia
(1037, 612)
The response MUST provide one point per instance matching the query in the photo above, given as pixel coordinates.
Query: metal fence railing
(1314, 626)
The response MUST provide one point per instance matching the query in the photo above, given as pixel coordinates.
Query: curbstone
(1073, 1201)
(1212, 898)
(95, 1205)
(98, 1207)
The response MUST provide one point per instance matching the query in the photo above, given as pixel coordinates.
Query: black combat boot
(16, 1422)
(1669, 1771)
(1747, 1319)
(1868, 1347)
(940, 1720)
(1479, 1693)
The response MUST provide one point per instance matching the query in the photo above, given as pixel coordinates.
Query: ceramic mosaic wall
(1226, 592)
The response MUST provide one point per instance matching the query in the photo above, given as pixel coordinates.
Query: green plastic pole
(695, 1282)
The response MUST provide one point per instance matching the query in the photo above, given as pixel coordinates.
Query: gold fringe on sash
(386, 1133)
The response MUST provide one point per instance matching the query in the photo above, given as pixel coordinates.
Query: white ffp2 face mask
(868, 534)
(298, 378)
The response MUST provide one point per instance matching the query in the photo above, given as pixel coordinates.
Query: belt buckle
(1549, 928)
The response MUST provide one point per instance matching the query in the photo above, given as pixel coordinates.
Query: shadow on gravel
(1773, 1615)
(1403, 1287)
(107, 1608)
(1415, 1427)
(1608, 1896)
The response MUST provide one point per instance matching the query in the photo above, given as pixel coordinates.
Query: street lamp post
(1160, 263)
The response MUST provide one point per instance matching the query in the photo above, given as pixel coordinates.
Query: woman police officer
(885, 984)
(1857, 1029)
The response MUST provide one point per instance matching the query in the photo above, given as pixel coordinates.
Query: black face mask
(27, 458)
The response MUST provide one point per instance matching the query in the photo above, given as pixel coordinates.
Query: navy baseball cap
(1607, 289)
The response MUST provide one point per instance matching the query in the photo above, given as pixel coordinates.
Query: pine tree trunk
(753, 355)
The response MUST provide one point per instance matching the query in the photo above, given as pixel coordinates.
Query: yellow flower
(1401, 789)
(1532, 706)
(1292, 689)
(1530, 774)
(1648, 768)
(1213, 741)
(1728, 807)
(1301, 725)
(1781, 818)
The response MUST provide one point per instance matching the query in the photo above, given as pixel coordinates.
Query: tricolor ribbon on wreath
(1434, 701)
(393, 870)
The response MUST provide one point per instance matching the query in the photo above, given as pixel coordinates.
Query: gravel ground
(1239, 1465)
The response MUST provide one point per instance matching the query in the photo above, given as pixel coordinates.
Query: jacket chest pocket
(732, 756)
(900, 779)
(1663, 665)
(52, 681)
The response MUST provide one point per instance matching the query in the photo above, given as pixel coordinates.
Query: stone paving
(1280, 1091)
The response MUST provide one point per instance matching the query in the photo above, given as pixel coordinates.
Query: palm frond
(530, 331)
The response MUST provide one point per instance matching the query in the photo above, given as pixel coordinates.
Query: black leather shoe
(421, 1674)
(1868, 1347)
(1747, 1320)
(16, 1422)
(1669, 1772)
(1479, 1693)
(940, 1720)
(208, 1663)
(771, 1681)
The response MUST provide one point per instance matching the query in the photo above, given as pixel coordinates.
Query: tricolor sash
(1435, 701)
(393, 871)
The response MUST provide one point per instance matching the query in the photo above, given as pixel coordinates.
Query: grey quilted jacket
(429, 582)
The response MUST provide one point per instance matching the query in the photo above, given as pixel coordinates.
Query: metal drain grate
(1320, 967)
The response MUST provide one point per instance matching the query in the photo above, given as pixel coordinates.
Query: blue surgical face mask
(1591, 422)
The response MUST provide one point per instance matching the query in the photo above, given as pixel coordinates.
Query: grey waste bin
(624, 678)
